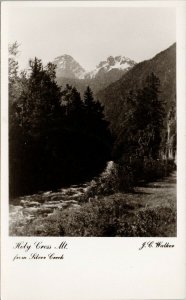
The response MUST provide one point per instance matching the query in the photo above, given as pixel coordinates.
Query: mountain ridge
(118, 62)
(114, 96)
(68, 67)
(156, 64)
(69, 71)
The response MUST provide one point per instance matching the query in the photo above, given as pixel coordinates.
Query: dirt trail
(159, 193)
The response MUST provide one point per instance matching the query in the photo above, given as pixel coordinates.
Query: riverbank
(147, 211)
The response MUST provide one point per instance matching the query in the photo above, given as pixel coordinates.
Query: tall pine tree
(144, 120)
(149, 116)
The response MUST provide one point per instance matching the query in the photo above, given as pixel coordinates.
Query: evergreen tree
(55, 137)
(17, 83)
(144, 120)
(125, 142)
(94, 113)
(87, 135)
(42, 97)
(88, 98)
(71, 99)
(96, 126)
(39, 119)
(13, 66)
(149, 117)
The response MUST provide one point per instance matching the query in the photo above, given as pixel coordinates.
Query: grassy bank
(148, 211)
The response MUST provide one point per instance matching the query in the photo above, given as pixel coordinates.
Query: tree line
(55, 137)
(144, 121)
(141, 142)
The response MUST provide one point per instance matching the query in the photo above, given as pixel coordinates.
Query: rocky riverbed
(147, 211)
(24, 210)
(29, 207)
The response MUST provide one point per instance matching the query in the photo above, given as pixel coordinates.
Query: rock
(71, 201)
(84, 185)
(69, 192)
(76, 206)
(15, 208)
(30, 217)
(52, 202)
(77, 195)
(30, 210)
(51, 206)
(27, 203)
(56, 198)
(45, 210)
(47, 193)
(60, 207)
(33, 204)
(93, 183)
(23, 202)
(65, 205)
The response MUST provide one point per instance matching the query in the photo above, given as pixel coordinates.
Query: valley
(65, 133)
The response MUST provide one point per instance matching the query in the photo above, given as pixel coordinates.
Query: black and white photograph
(93, 165)
(92, 121)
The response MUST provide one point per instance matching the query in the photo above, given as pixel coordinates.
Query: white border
(98, 268)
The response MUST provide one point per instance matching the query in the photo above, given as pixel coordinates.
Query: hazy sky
(90, 34)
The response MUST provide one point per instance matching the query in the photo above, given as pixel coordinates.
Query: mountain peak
(64, 56)
(68, 67)
(120, 63)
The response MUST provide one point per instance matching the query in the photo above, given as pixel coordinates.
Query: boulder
(33, 204)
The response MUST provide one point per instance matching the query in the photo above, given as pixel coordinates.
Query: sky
(90, 34)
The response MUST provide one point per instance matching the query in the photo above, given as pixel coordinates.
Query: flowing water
(27, 208)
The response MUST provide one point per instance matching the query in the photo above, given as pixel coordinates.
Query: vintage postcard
(93, 110)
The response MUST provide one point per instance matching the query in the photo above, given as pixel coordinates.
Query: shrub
(157, 169)
(127, 173)
(115, 216)
(134, 170)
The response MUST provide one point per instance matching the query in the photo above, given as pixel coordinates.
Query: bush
(157, 169)
(126, 173)
(116, 216)
(134, 170)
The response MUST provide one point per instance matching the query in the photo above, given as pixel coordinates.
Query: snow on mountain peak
(119, 62)
(68, 67)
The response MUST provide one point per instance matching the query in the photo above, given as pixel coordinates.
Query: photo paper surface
(93, 150)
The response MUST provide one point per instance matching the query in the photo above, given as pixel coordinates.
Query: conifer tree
(149, 116)
(88, 98)
(96, 125)
(60, 139)
(144, 120)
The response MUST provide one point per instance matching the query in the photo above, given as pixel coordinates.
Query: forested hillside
(114, 97)
(96, 84)
(69, 71)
